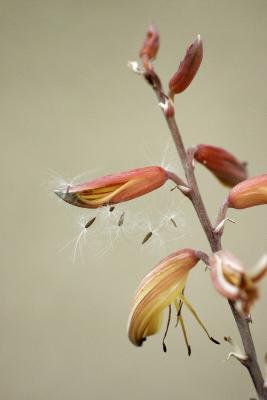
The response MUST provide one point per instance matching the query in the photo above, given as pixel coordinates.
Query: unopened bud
(226, 167)
(151, 44)
(249, 193)
(187, 68)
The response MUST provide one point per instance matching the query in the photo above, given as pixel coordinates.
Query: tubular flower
(249, 193)
(151, 44)
(116, 188)
(226, 167)
(187, 68)
(160, 288)
(231, 279)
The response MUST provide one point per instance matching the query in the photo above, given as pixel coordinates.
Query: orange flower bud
(249, 193)
(116, 188)
(151, 44)
(227, 168)
(231, 279)
(187, 68)
(159, 288)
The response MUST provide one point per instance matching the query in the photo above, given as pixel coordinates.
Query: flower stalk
(213, 236)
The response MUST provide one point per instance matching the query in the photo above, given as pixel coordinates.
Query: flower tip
(68, 197)
(187, 68)
(150, 46)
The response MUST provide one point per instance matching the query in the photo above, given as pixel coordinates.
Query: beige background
(68, 105)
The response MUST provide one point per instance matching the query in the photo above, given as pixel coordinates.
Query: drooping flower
(116, 188)
(187, 68)
(224, 165)
(160, 288)
(249, 193)
(231, 279)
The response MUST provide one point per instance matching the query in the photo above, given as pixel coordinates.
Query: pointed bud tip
(187, 68)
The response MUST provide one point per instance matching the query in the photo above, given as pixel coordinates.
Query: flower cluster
(164, 286)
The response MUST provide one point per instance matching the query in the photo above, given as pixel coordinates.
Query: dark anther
(189, 350)
(166, 330)
(111, 208)
(214, 340)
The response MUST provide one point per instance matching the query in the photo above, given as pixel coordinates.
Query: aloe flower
(151, 44)
(233, 281)
(249, 193)
(116, 188)
(160, 288)
(187, 68)
(224, 165)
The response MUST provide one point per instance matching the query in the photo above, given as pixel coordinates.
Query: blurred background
(71, 110)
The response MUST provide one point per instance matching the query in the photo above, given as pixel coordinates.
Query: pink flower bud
(231, 279)
(159, 288)
(227, 168)
(151, 44)
(249, 193)
(187, 68)
(116, 188)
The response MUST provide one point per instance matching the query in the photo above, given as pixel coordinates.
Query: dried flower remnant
(187, 68)
(116, 188)
(249, 193)
(160, 288)
(231, 279)
(225, 166)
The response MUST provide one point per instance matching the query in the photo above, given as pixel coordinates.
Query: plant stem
(214, 238)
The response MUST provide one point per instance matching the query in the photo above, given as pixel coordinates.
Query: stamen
(193, 311)
(185, 336)
(147, 237)
(121, 220)
(180, 319)
(111, 208)
(89, 223)
(166, 330)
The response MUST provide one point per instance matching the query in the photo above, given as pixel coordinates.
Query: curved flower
(231, 279)
(116, 188)
(249, 193)
(187, 68)
(224, 165)
(160, 288)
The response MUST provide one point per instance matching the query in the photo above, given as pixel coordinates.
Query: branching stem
(214, 238)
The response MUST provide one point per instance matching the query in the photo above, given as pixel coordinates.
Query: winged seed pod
(231, 279)
(187, 68)
(116, 188)
(159, 289)
(226, 167)
(249, 193)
